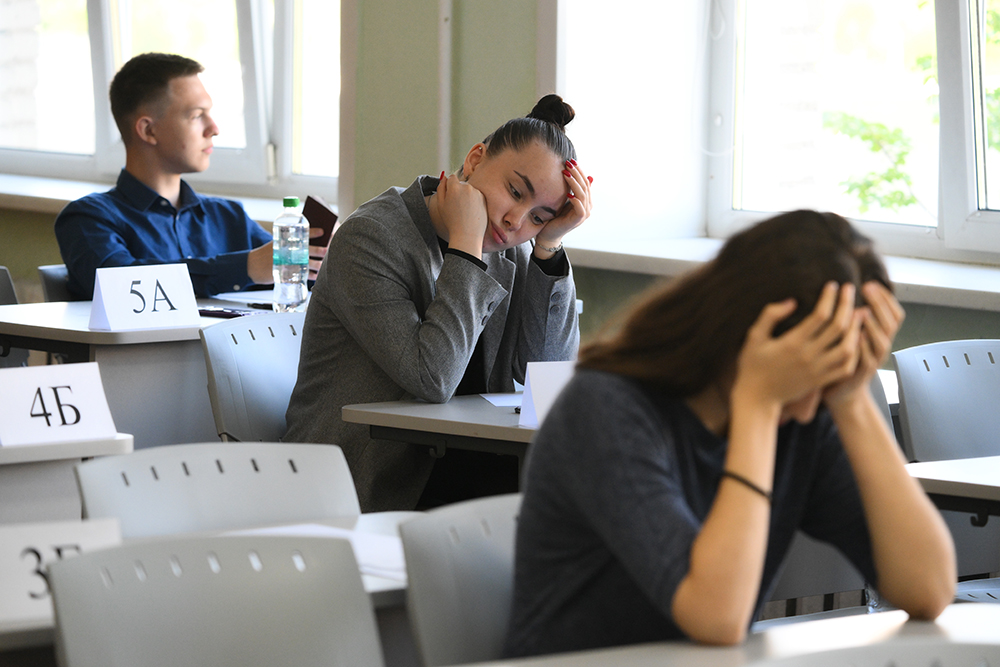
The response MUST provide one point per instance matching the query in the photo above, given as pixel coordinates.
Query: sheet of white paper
(380, 555)
(504, 400)
(260, 297)
(542, 383)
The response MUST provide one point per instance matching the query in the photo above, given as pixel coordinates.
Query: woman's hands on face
(463, 210)
(882, 318)
(574, 212)
(821, 350)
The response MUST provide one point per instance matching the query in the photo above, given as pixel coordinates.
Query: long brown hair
(683, 337)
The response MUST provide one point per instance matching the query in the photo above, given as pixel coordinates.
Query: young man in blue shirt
(152, 216)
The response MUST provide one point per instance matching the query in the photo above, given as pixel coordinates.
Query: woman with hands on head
(436, 290)
(731, 409)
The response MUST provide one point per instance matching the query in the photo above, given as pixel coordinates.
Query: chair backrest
(55, 282)
(460, 571)
(7, 294)
(252, 365)
(948, 399)
(221, 601)
(15, 357)
(216, 486)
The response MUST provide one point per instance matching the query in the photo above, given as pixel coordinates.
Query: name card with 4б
(48, 404)
(143, 297)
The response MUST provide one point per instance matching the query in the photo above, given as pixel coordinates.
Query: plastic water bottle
(291, 257)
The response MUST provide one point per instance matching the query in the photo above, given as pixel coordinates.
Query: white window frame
(262, 169)
(964, 233)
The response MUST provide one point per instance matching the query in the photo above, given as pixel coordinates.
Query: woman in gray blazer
(449, 286)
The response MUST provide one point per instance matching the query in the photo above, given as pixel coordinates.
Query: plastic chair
(15, 357)
(947, 399)
(221, 601)
(460, 567)
(252, 365)
(216, 486)
(55, 282)
(948, 410)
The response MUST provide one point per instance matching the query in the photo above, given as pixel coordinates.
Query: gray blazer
(392, 317)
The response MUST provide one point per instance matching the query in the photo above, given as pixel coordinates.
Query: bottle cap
(290, 202)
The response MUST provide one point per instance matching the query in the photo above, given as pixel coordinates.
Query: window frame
(964, 233)
(261, 169)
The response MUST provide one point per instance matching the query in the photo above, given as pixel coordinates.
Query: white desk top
(887, 638)
(384, 592)
(471, 416)
(122, 443)
(971, 478)
(68, 321)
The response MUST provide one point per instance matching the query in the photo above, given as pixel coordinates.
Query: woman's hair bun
(552, 109)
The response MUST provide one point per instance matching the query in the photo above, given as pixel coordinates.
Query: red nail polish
(566, 173)
(571, 196)
(573, 162)
(590, 179)
(442, 175)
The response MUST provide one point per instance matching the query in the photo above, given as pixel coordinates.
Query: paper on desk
(504, 400)
(379, 555)
(542, 383)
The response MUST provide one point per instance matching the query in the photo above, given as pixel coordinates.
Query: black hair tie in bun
(552, 109)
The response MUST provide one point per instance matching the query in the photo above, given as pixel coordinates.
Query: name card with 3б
(46, 404)
(157, 296)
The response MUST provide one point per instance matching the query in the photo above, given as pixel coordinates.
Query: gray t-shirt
(618, 482)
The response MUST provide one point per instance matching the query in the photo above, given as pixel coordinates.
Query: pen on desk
(517, 410)
(262, 306)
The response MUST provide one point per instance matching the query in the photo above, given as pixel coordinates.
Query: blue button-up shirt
(132, 224)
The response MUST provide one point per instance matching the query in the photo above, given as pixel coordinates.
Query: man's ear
(143, 127)
(473, 159)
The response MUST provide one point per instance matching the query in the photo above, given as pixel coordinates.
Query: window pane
(316, 101)
(46, 85)
(837, 108)
(987, 80)
(631, 75)
(205, 30)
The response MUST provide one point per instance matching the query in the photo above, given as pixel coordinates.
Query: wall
(27, 242)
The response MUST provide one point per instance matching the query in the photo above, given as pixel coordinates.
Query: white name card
(26, 549)
(542, 383)
(143, 297)
(59, 403)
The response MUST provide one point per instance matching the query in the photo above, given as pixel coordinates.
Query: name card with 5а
(59, 403)
(157, 296)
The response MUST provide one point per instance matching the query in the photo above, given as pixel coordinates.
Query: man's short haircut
(144, 79)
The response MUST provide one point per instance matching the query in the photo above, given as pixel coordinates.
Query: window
(725, 111)
(271, 66)
(636, 93)
(836, 108)
(44, 62)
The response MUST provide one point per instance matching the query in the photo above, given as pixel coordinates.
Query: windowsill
(923, 281)
(50, 195)
(932, 282)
